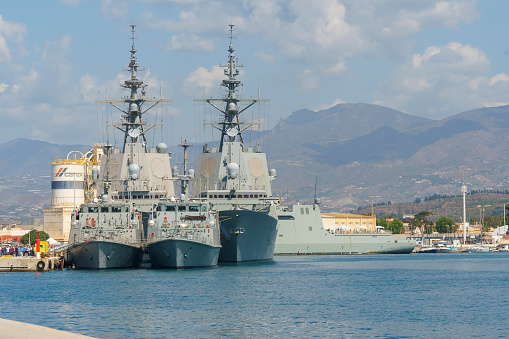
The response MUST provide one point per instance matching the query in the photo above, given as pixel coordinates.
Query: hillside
(352, 152)
(451, 207)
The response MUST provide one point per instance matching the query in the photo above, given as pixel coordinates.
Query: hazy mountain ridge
(352, 151)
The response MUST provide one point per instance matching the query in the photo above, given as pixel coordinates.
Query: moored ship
(184, 233)
(301, 231)
(236, 181)
(105, 235)
(130, 180)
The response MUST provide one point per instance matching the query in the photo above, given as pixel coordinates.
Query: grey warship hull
(98, 254)
(346, 244)
(247, 236)
(182, 253)
(304, 233)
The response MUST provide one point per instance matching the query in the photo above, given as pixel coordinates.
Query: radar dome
(161, 147)
(104, 198)
(133, 107)
(232, 169)
(134, 171)
(272, 172)
(232, 107)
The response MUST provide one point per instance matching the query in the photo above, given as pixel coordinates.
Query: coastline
(16, 329)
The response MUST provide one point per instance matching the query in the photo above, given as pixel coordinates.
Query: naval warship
(134, 173)
(301, 231)
(235, 179)
(184, 232)
(105, 234)
(129, 180)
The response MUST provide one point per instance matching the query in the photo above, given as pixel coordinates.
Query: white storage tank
(67, 183)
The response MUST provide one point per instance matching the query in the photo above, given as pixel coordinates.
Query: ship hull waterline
(247, 236)
(182, 253)
(97, 254)
(343, 244)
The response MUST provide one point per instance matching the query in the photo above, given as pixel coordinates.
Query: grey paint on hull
(247, 236)
(301, 231)
(182, 253)
(104, 254)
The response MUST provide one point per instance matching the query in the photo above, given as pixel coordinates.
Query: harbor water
(385, 296)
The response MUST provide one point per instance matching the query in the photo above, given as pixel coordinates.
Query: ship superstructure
(134, 172)
(236, 179)
(108, 232)
(184, 232)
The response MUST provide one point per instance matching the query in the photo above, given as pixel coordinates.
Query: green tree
(421, 221)
(446, 225)
(43, 236)
(382, 222)
(395, 226)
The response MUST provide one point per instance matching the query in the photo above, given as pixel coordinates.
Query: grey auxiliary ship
(236, 180)
(132, 178)
(301, 231)
(105, 235)
(184, 233)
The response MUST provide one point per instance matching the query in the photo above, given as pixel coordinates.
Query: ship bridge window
(310, 228)
(220, 196)
(170, 208)
(93, 209)
(104, 209)
(246, 196)
(307, 210)
(127, 208)
(204, 208)
(302, 211)
(116, 209)
(182, 208)
(194, 208)
(285, 217)
(158, 208)
(250, 195)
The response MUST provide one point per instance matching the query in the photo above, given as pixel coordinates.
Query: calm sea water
(383, 296)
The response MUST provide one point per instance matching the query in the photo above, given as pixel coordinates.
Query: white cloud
(442, 81)
(190, 43)
(3, 87)
(10, 31)
(201, 78)
(327, 106)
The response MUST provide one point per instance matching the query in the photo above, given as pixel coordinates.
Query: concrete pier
(28, 264)
(16, 329)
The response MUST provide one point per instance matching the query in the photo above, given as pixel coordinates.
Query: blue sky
(428, 58)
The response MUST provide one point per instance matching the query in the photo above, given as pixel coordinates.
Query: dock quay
(16, 329)
(30, 264)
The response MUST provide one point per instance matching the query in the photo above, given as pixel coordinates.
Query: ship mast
(230, 126)
(132, 125)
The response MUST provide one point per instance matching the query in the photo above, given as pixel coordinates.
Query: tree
(421, 219)
(446, 225)
(382, 222)
(43, 236)
(396, 226)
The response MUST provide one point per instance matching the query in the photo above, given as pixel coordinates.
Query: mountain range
(348, 153)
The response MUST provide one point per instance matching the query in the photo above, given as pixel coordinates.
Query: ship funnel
(134, 171)
(161, 147)
(232, 169)
(191, 173)
(272, 173)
